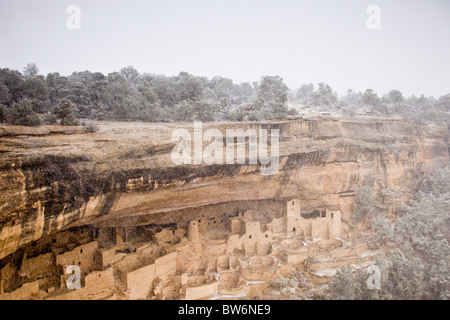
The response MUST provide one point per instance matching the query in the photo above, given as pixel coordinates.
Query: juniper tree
(65, 111)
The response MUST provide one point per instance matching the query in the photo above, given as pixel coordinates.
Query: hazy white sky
(301, 41)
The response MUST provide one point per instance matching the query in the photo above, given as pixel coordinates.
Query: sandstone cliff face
(54, 177)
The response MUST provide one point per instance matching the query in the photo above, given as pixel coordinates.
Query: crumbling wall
(234, 242)
(261, 261)
(253, 241)
(100, 280)
(237, 226)
(39, 267)
(23, 293)
(325, 226)
(166, 265)
(319, 228)
(99, 285)
(86, 256)
(139, 283)
(201, 292)
(188, 261)
(113, 255)
(167, 236)
(278, 226)
(229, 280)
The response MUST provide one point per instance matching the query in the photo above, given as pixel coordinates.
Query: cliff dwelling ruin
(230, 254)
(112, 218)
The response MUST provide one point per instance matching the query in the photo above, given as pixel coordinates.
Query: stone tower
(293, 218)
(193, 233)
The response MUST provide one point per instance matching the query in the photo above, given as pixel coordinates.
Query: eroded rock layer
(55, 178)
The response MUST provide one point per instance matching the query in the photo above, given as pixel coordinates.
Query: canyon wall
(54, 178)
